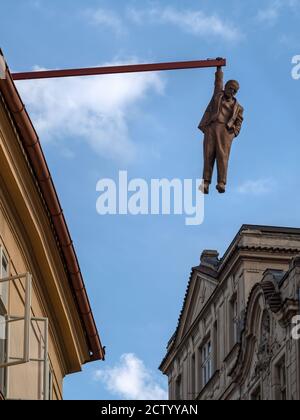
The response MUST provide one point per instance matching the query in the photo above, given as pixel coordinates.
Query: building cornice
(259, 230)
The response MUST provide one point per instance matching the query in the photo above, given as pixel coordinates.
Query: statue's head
(231, 88)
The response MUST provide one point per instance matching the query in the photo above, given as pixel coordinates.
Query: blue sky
(136, 268)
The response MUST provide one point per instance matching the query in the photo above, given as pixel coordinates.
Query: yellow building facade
(47, 329)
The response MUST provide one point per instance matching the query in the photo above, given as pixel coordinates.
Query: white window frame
(26, 318)
(44, 359)
(45, 379)
(206, 362)
(28, 321)
(4, 298)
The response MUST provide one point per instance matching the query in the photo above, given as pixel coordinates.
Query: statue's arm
(218, 88)
(205, 119)
(239, 122)
(219, 80)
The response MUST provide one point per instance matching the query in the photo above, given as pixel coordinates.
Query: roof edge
(31, 144)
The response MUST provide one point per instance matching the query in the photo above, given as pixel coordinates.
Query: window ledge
(231, 352)
(210, 383)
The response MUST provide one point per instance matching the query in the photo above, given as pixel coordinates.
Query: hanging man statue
(220, 124)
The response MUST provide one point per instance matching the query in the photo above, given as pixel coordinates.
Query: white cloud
(95, 110)
(193, 22)
(258, 187)
(106, 18)
(271, 14)
(131, 380)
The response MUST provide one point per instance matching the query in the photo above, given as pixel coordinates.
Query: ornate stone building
(234, 336)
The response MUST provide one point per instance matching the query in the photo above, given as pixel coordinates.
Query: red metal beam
(133, 68)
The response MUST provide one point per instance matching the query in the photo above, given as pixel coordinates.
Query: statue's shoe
(204, 188)
(221, 188)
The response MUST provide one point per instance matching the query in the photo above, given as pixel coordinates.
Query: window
(256, 395)
(39, 358)
(215, 348)
(193, 377)
(280, 379)
(206, 365)
(178, 384)
(10, 324)
(2, 353)
(233, 314)
(4, 264)
(4, 273)
(16, 332)
(49, 397)
(282, 376)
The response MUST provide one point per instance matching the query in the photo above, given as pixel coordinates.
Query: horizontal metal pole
(15, 319)
(132, 68)
(16, 363)
(12, 278)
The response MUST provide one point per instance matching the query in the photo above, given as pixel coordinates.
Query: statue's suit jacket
(213, 109)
